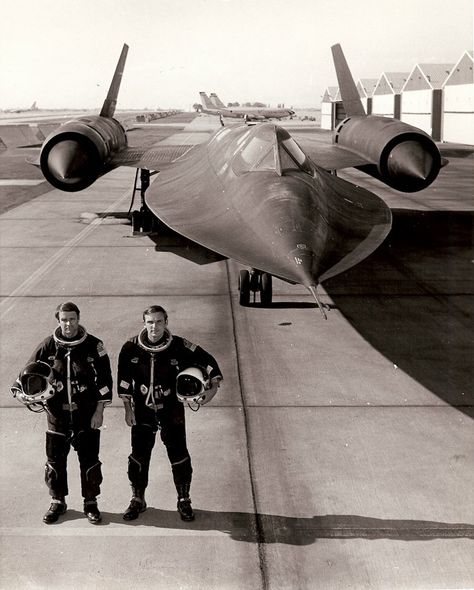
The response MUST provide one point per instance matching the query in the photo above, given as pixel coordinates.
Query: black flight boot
(136, 506)
(91, 510)
(184, 502)
(58, 507)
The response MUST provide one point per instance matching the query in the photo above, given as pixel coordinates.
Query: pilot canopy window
(270, 149)
(292, 156)
(258, 154)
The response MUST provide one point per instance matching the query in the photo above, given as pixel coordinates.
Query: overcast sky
(62, 53)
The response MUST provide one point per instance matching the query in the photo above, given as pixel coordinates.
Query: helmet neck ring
(144, 343)
(61, 341)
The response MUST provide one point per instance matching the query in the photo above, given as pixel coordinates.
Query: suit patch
(134, 360)
(144, 389)
(189, 345)
(101, 349)
(173, 362)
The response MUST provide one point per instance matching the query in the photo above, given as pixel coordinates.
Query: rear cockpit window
(294, 149)
(286, 161)
(292, 156)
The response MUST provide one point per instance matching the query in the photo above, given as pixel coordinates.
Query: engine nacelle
(80, 151)
(400, 155)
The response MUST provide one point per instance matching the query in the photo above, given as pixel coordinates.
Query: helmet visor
(34, 384)
(189, 386)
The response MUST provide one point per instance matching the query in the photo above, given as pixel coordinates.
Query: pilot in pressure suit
(148, 366)
(81, 378)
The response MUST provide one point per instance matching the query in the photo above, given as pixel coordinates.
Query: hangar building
(458, 111)
(438, 98)
(422, 100)
(387, 97)
(366, 88)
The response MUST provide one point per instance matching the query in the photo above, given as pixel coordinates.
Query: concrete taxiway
(338, 453)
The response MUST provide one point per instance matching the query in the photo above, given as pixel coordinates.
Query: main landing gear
(143, 222)
(255, 281)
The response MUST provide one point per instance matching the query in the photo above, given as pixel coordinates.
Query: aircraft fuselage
(264, 210)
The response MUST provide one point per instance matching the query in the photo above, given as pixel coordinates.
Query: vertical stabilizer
(108, 108)
(206, 100)
(217, 101)
(349, 93)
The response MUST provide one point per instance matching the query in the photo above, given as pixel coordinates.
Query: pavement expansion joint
(106, 530)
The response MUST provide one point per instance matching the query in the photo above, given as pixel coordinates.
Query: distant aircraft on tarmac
(253, 193)
(214, 106)
(33, 107)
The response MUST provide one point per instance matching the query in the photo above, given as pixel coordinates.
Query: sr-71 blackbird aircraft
(252, 192)
(214, 106)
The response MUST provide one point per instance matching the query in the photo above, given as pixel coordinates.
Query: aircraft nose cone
(314, 229)
(67, 161)
(303, 259)
(410, 161)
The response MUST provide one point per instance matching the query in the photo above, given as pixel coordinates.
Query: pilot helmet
(36, 382)
(191, 384)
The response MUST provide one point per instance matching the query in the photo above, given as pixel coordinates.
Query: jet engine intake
(401, 156)
(80, 151)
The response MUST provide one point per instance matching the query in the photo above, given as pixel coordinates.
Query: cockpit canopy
(268, 147)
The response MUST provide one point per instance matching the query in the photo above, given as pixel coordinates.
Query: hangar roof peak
(462, 71)
(366, 86)
(331, 94)
(391, 82)
(427, 76)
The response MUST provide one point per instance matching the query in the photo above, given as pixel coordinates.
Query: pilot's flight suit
(149, 379)
(82, 378)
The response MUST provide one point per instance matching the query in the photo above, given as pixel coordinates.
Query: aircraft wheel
(244, 287)
(136, 221)
(147, 220)
(266, 288)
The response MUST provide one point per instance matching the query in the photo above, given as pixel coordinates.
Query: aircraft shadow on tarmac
(166, 240)
(427, 255)
(412, 300)
(269, 528)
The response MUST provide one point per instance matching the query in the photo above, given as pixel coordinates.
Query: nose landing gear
(255, 281)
